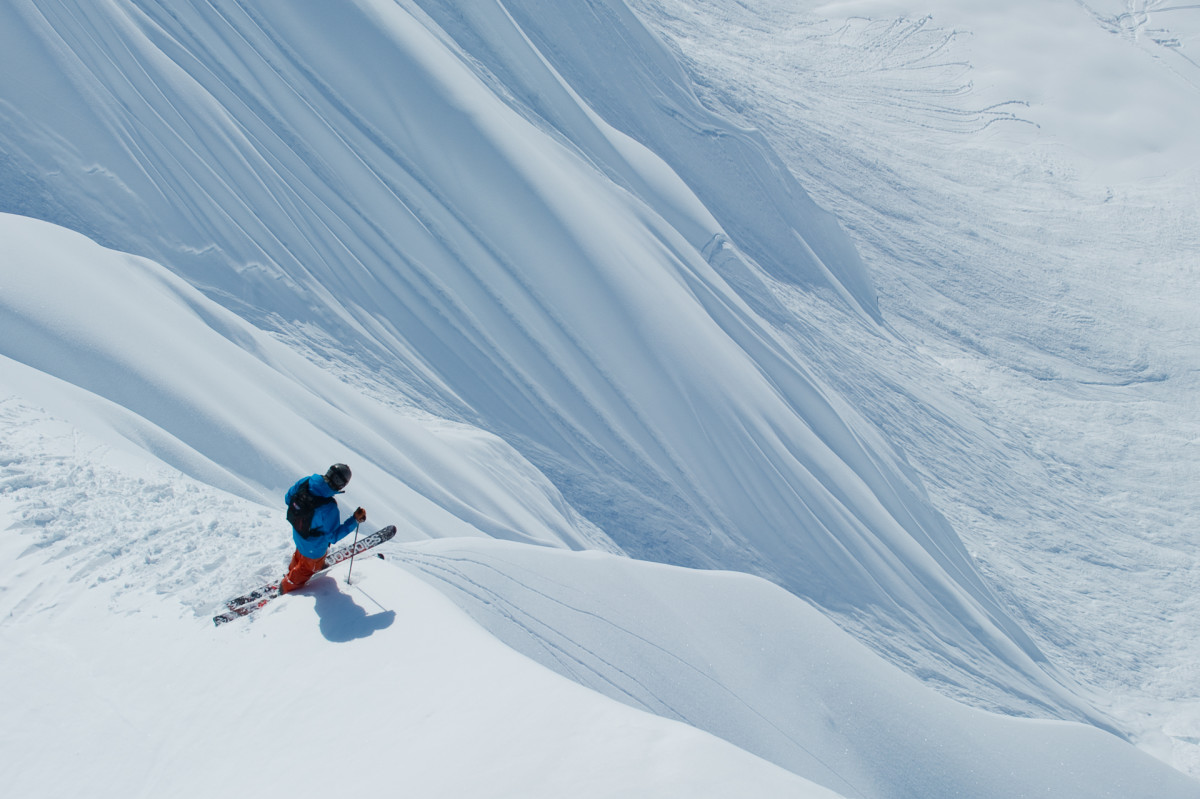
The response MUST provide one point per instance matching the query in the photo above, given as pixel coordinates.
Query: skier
(313, 514)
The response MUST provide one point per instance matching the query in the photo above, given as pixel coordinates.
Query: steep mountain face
(515, 218)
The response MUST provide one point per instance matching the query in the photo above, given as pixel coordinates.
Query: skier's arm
(344, 529)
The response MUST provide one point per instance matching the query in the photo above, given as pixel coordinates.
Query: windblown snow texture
(504, 262)
(355, 170)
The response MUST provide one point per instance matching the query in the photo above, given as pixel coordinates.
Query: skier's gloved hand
(360, 515)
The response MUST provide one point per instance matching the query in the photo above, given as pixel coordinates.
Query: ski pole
(353, 547)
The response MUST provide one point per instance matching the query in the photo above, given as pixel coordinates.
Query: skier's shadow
(342, 619)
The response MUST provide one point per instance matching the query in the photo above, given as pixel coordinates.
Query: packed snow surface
(550, 284)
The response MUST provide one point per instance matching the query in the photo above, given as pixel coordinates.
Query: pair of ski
(246, 604)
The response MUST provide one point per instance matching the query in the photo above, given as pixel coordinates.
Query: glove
(360, 515)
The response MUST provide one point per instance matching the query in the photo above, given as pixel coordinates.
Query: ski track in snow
(1168, 30)
(813, 700)
(1058, 315)
(586, 666)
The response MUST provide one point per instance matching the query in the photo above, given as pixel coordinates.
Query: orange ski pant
(299, 571)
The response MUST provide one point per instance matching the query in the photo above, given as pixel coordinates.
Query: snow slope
(811, 698)
(532, 290)
(1022, 183)
(554, 284)
(161, 366)
(125, 690)
(379, 689)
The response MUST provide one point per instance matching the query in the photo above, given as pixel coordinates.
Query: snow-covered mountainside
(126, 690)
(506, 263)
(1025, 188)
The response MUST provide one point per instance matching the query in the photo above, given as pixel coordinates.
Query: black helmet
(337, 476)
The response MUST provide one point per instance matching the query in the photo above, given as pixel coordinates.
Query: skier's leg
(286, 583)
(299, 572)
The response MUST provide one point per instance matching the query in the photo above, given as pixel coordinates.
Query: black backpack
(301, 509)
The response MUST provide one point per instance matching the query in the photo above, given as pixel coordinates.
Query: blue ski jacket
(326, 519)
